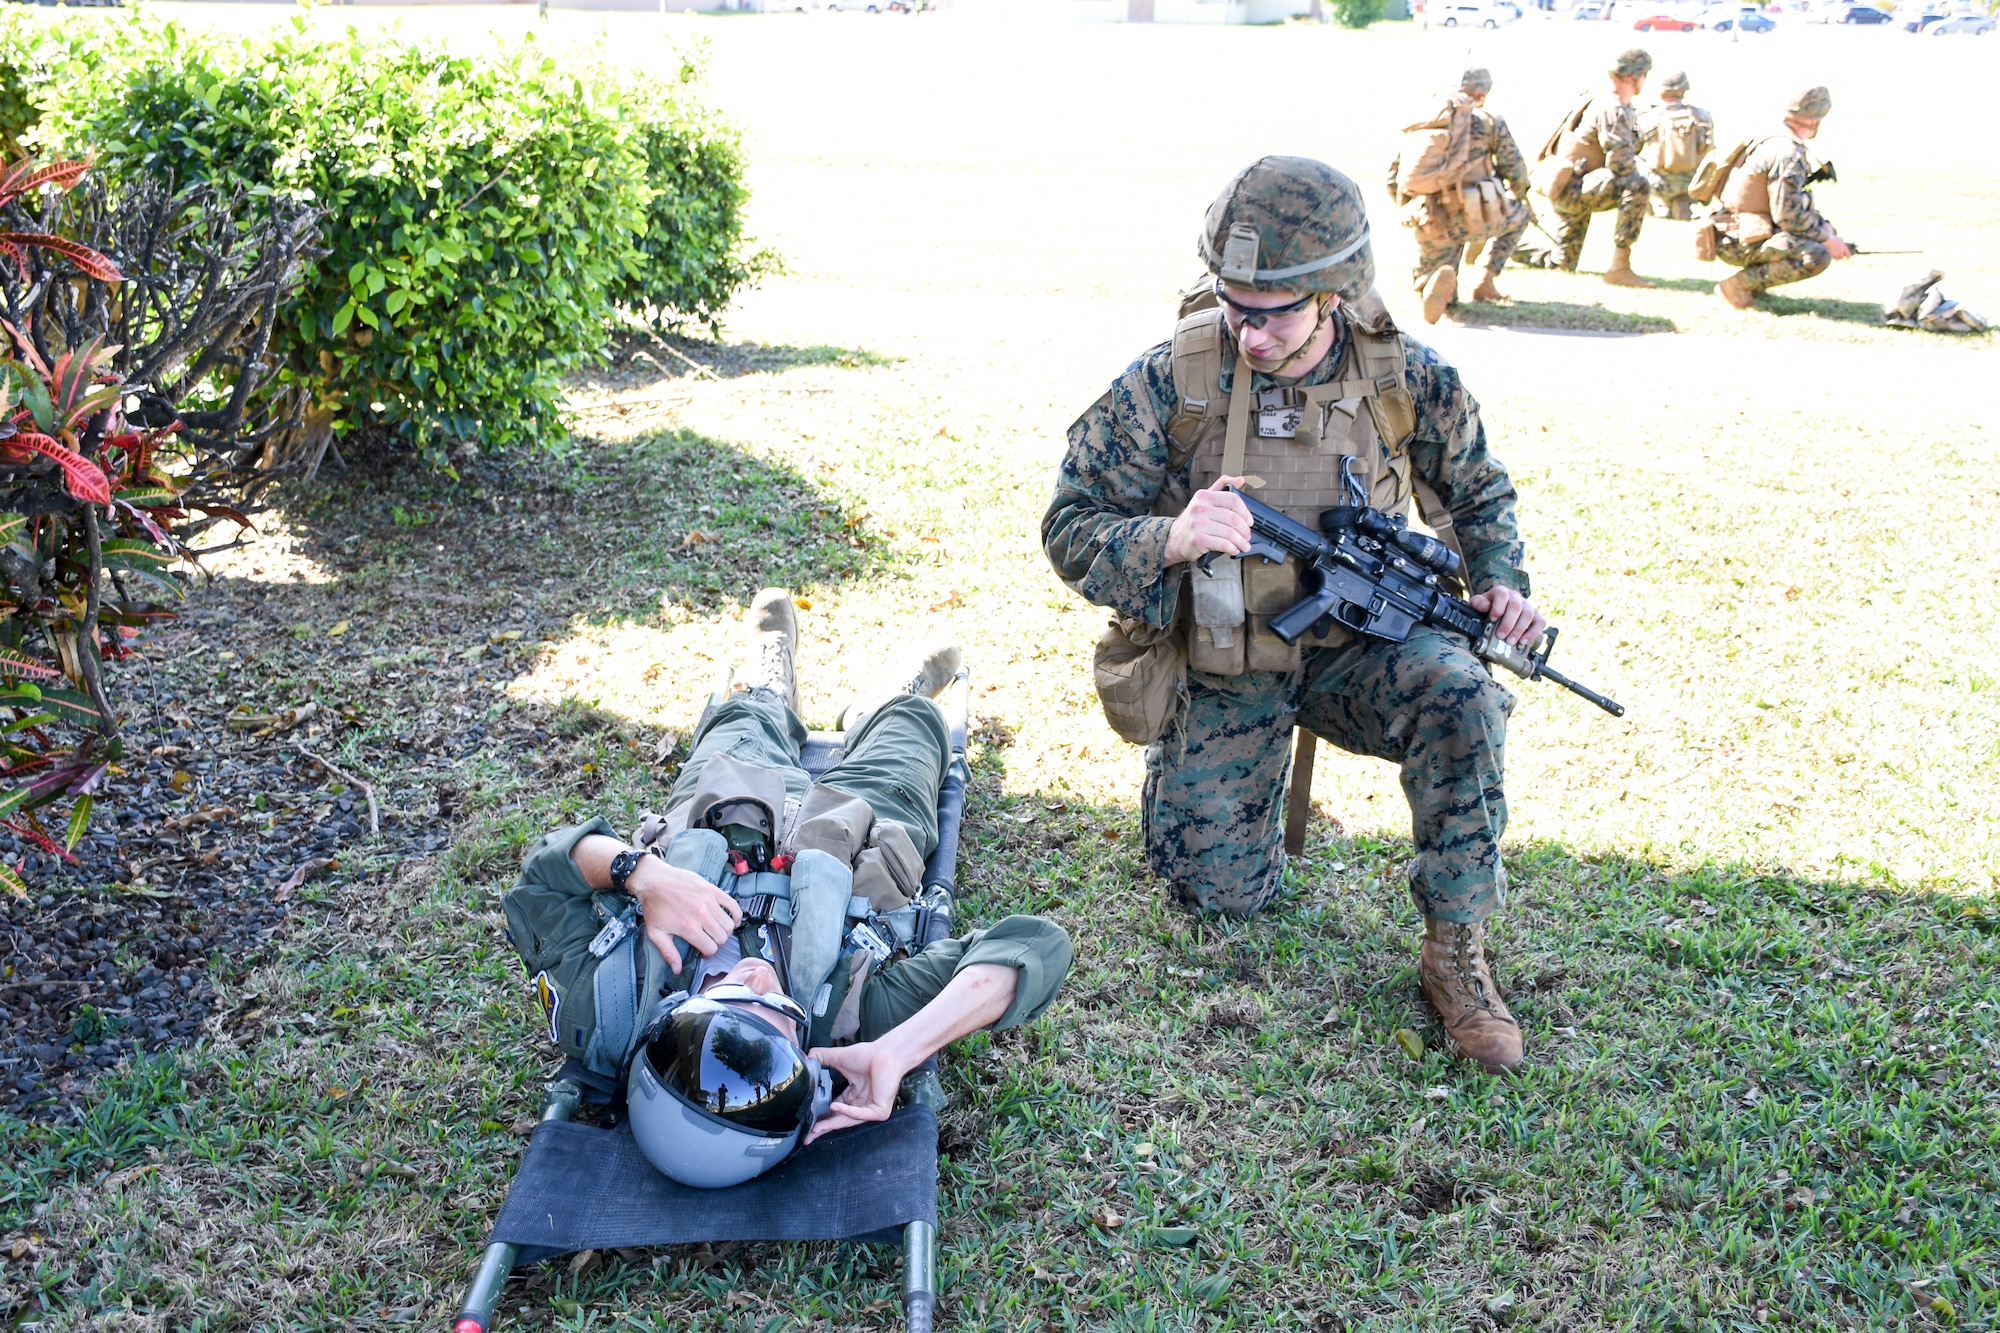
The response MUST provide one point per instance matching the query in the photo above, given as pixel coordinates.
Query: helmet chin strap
(1325, 316)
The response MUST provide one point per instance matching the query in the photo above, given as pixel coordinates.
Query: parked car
(1864, 14)
(1591, 9)
(1923, 22)
(1464, 15)
(1721, 18)
(1664, 23)
(1972, 25)
(872, 6)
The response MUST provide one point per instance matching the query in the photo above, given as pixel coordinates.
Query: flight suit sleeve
(1508, 163)
(549, 863)
(1036, 948)
(1099, 532)
(1791, 199)
(1449, 450)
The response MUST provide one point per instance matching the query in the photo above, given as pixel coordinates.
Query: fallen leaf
(1109, 1219)
(585, 1259)
(337, 629)
(300, 876)
(181, 780)
(1412, 1044)
(947, 603)
(1173, 1237)
(1437, 1094)
(803, 603)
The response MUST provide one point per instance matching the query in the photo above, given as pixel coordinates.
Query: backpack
(1438, 153)
(1713, 173)
(1679, 149)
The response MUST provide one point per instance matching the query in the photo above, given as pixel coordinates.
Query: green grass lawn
(1752, 942)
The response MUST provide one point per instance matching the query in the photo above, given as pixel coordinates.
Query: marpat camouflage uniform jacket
(1100, 533)
(1784, 163)
(1615, 127)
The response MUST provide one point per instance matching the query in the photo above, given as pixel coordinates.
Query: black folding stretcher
(582, 1187)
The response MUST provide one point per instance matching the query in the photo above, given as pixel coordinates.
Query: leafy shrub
(1358, 13)
(480, 216)
(690, 260)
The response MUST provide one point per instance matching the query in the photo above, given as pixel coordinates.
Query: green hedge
(480, 216)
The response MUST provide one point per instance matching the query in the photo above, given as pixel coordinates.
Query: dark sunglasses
(1258, 316)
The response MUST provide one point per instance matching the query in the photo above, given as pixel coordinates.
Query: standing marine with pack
(1680, 135)
(1281, 375)
(1591, 165)
(1764, 221)
(1455, 192)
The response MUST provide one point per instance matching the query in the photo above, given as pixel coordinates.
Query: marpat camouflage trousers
(1670, 194)
(1436, 253)
(1599, 191)
(1215, 783)
(1782, 259)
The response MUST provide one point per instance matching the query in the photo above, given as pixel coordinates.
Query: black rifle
(1854, 249)
(1823, 172)
(1370, 573)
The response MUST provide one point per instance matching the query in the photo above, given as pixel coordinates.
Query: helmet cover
(1290, 224)
(1632, 64)
(1812, 104)
(1476, 80)
(1676, 82)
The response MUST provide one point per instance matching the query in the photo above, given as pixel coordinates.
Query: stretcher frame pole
(919, 1275)
(1298, 800)
(495, 1266)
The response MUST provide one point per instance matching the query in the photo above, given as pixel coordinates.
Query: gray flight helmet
(717, 1095)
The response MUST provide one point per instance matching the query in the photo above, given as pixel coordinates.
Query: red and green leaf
(14, 662)
(83, 478)
(72, 705)
(24, 176)
(90, 261)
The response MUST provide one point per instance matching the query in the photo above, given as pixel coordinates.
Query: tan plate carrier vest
(1569, 152)
(1365, 412)
(1747, 194)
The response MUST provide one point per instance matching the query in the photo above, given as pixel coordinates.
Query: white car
(1477, 15)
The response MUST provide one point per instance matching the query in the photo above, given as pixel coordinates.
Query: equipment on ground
(1381, 580)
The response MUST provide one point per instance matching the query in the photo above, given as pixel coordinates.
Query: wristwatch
(622, 866)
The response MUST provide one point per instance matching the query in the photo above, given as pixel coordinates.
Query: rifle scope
(1429, 552)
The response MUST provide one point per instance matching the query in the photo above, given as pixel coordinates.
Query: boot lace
(1466, 960)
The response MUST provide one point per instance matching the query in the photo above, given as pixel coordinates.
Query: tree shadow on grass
(640, 356)
(1556, 315)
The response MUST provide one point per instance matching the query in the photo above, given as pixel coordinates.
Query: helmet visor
(733, 1065)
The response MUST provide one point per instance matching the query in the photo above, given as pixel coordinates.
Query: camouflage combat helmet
(1812, 104)
(1476, 80)
(1676, 82)
(1632, 64)
(1290, 224)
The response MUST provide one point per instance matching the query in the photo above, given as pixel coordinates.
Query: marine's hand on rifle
(678, 902)
(1514, 617)
(1215, 520)
(1838, 248)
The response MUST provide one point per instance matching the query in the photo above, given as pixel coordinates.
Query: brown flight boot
(1440, 290)
(773, 627)
(1620, 273)
(1488, 289)
(1736, 291)
(1457, 982)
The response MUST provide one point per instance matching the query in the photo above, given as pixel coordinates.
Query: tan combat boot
(1488, 289)
(1456, 981)
(1440, 290)
(935, 671)
(1620, 273)
(774, 644)
(1736, 291)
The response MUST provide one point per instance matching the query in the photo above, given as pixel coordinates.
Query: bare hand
(1514, 617)
(1214, 520)
(1838, 248)
(873, 1072)
(680, 902)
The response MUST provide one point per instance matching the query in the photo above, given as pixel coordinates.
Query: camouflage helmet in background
(1676, 82)
(1476, 80)
(1290, 224)
(1632, 64)
(1812, 104)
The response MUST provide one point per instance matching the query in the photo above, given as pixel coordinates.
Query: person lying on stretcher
(776, 987)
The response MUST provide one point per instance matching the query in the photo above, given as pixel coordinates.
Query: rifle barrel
(1611, 706)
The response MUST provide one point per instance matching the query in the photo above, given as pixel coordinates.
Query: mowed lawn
(1752, 942)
